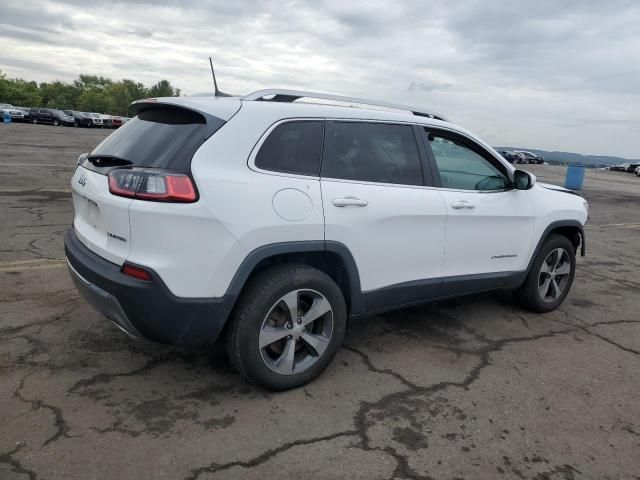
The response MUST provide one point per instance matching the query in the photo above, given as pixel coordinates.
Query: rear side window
(160, 137)
(292, 147)
(372, 152)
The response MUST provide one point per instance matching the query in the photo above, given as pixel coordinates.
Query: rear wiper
(109, 161)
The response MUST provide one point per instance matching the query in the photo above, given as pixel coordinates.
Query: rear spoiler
(222, 108)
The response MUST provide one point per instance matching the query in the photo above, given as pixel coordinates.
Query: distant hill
(560, 158)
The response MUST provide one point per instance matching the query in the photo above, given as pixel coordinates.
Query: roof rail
(280, 95)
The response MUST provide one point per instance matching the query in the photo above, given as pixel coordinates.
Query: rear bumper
(141, 308)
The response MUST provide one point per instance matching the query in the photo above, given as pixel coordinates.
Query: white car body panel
(98, 213)
(398, 237)
(493, 235)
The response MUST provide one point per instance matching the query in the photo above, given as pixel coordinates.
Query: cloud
(427, 86)
(536, 72)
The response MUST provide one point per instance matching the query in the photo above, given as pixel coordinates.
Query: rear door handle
(349, 202)
(462, 204)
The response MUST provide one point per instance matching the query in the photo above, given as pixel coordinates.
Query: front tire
(550, 277)
(286, 327)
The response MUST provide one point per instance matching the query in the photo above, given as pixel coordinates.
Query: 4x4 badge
(82, 180)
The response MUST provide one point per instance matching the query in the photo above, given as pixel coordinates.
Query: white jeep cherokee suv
(272, 222)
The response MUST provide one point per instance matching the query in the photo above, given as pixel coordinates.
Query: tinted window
(464, 169)
(372, 152)
(161, 137)
(292, 147)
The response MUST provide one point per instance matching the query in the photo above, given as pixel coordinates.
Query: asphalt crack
(266, 456)
(584, 327)
(108, 377)
(16, 466)
(62, 428)
(386, 371)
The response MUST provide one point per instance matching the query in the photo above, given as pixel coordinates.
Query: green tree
(23, 93)
(123, 93)
(94, 101)
(164, 89)
(59, 95)
(85, 82)
(87, 93)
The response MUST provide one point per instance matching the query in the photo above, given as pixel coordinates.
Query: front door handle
(462, 204)
(349, 202)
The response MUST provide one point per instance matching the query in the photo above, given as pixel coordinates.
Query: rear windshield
(160, 137)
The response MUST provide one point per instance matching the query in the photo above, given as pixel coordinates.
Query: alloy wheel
(554, 275)
(296, 332)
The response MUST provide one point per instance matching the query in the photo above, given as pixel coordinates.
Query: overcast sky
(549, 74)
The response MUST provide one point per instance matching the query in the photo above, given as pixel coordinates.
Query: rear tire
(550, 277)
(56, 123)
(286, 327)
(34, 121)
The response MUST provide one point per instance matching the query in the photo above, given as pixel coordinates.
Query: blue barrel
(575, 177)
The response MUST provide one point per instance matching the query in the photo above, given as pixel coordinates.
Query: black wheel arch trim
(550, 228)
(357, 298)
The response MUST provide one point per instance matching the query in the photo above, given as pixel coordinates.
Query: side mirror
(523, 180)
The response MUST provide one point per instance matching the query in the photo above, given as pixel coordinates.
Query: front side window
(372, 152)
(462, 168)
(292, 147)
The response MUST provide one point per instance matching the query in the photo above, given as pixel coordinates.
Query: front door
(489, 224)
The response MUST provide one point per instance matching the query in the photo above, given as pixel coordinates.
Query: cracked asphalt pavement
(464, 389)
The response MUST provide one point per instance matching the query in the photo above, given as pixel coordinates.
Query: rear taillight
(152, 185)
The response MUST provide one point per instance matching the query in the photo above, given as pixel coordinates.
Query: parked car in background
(80, 119)
(637, 172)
(510, 157)
(116, 122)
(95, 118)
(106, 120)
(619, 168)
(17, 115)
(531, 157)
(632, 167)
(522, 158)
(41, 115)
(52, 116)
(26, 113)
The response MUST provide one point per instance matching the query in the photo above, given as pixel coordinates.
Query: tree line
(88, 93)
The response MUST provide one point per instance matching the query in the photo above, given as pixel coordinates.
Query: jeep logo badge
(82, 180)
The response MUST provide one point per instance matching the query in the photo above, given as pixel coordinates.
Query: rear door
(378, 201)
(489, 224)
